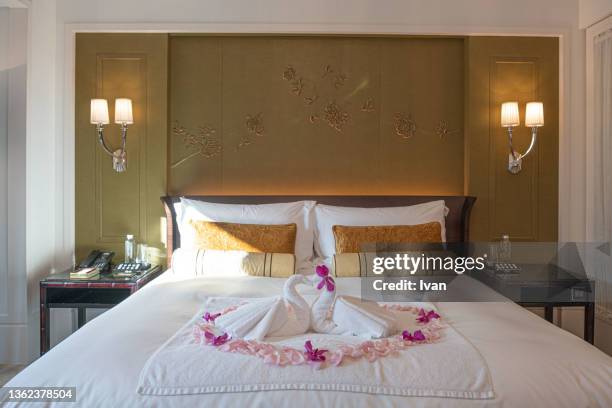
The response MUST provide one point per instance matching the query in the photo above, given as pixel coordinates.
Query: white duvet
(531, 362)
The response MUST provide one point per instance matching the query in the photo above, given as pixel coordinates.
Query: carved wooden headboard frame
(457, 221)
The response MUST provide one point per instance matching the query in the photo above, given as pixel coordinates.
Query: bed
(529, 361)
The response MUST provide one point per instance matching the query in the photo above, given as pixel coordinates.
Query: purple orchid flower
(313, 354)
(210, 317)
(326, 280)
(216, 340)
(416, 336)
(425, 317)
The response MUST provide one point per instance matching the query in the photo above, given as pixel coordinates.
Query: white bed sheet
(532, 362)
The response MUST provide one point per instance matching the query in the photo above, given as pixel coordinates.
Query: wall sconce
(123, 117)
(534, 118)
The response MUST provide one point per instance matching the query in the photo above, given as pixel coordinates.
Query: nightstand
(102, 292)
(547, 286)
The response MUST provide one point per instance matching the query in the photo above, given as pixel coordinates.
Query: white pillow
(326, 216)
(298, 212)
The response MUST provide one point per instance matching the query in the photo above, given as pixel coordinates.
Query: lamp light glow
(510, 114)
(98, 114)
(123, 111)
(534, 114)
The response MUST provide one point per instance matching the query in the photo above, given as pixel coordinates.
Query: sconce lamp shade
(510, 114)
(123, 111)
(534, 114)
(99, 112)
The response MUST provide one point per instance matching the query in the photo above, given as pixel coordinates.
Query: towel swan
(348, 315)
(286, 315)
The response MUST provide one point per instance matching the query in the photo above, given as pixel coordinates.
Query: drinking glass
(141, 254)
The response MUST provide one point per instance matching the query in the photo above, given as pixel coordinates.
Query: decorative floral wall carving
(406, 127)
(338, 78)
(331, 112)
(368, 105)
(254, 124)
(335, 117)
(442, 130)
(255, 129)
(296, 82)
(203, 142)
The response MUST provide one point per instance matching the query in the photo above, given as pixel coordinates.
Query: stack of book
(85, 273)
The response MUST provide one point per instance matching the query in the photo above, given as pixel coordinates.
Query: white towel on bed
(254, 320)
(451, 367)
(366, 318)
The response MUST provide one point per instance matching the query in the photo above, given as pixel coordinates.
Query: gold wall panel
(525, 205)
(314, 115)
(110, 205)
(321, 115)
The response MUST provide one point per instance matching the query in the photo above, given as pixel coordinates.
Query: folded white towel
(362, 318)
(254, 320)
(269, 316)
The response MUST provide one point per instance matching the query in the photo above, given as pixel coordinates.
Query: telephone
(129, 268)
(98, 259)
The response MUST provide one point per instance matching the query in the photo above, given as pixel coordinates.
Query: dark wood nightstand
(102, 292)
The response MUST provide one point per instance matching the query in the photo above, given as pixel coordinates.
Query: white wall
(4, 51)
(13, 36)
(4, 73)
(592, 11)
(50, 129)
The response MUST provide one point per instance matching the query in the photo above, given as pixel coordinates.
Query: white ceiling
(13, 3)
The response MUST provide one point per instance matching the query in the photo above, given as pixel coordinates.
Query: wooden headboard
(457, 221)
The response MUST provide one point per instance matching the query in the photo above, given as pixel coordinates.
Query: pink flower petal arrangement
(210, 317)
(416, 336)
(314, 355)
(282, 356)
(426, 317)
(215, 340)
(326, 280)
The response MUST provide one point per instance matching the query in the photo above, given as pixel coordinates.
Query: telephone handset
(98, 259)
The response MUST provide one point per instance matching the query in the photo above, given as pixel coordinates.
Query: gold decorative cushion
(351, 264)
(352, 239)
(227, 236)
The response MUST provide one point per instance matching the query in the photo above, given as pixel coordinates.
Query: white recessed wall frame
(571, 163)
(51, 137)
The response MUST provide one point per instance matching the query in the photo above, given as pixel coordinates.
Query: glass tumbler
(141, 254)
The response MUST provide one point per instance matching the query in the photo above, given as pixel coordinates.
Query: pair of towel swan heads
(290, 314)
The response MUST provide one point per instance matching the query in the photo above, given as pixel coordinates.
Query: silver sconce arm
(515, 159)
(100, 130)
(534, 138)
(120, 155)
